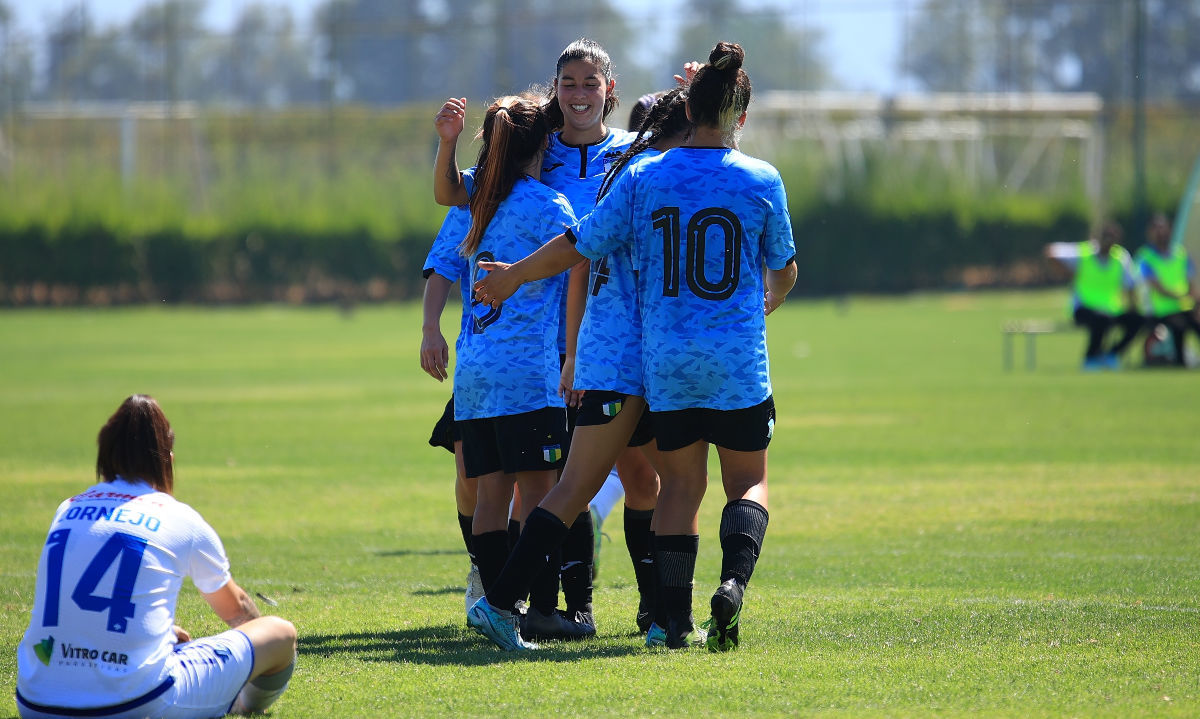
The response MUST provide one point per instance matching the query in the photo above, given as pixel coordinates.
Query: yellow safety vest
(1171, 273)
(1100, 285)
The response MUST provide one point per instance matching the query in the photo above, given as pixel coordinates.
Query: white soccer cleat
(474, 588)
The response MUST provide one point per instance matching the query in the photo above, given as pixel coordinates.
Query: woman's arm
(232, 604)
(503, 280)
(448, 187)
(577, 289)
(779, 283)
(435, 352)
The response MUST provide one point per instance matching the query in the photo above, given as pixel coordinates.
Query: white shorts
(204, 676)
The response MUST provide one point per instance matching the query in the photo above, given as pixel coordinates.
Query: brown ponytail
(514, 131)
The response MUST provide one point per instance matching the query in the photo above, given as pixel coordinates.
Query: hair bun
(727, 56)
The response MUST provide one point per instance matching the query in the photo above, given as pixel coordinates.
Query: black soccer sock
(491, 552)
(637, 541)
(578, 553)
(743, 527)
(514, 532)
(675, 559)
(543, 590)
(660, 611)
(528, 562)
(464, 526)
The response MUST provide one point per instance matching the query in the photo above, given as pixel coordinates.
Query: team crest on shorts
(611, 409)
(770, 428)
(552, 453)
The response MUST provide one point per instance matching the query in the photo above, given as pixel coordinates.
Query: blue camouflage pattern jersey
(578, 170)
(444, 259)
(702, 223)
(608, 352)
(508, 359)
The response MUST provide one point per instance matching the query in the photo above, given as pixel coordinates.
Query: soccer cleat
(498, 625)
(679, 633)
(474, 587)
(656, 636)
(585, 618)
(726, 611)
(538, 626)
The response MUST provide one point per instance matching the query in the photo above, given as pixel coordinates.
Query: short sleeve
(778, 243)
(468, 178)
(561, 220)
(207, 566)
(443, 257)
(609, 226)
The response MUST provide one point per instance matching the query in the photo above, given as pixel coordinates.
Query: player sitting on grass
(102, 640)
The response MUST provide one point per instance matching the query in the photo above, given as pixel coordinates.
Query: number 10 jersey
(702, 223)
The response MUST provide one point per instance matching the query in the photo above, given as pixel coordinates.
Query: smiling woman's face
(582, 90)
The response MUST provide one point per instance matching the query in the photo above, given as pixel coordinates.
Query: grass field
(946, 538)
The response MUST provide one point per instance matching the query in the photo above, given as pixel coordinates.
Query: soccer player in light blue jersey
(512, 420)
(611, 420)
(579, 154)
(703, 221)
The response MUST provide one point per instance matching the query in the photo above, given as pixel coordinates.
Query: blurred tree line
(1056, 45)
(387, 52)
(378, 52)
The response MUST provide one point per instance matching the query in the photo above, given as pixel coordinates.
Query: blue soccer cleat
(498, 625)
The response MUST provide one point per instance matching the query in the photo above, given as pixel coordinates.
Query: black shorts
(742, 430)
(600, 406)
(526, 442)
(445, 432)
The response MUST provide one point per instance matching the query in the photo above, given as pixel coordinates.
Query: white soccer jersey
(107, 583)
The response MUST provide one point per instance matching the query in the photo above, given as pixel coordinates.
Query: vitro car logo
(71, 652)
(44, 650)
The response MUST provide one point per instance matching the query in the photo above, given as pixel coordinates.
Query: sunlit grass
(946, 538)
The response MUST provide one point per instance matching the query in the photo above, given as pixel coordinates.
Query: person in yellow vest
(1104, 283)
(1170, 278)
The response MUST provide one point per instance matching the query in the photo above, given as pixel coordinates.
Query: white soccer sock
(262, 691)
(608, 496)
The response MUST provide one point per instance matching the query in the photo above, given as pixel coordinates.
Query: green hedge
(842, 247)
(251, 264)
(852, 247)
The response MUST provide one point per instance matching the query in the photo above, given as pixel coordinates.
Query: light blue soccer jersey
(508, 359)
(577, 170)
(702, 223)
(608, 350)
(444, 259)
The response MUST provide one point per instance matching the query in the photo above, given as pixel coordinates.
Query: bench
(1030, 329)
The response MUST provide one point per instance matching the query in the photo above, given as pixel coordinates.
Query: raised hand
(451, 119)
(689, 72)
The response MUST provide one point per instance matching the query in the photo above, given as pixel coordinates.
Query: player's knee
(286, 631)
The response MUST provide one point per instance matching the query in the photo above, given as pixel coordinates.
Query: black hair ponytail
(720, 91)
